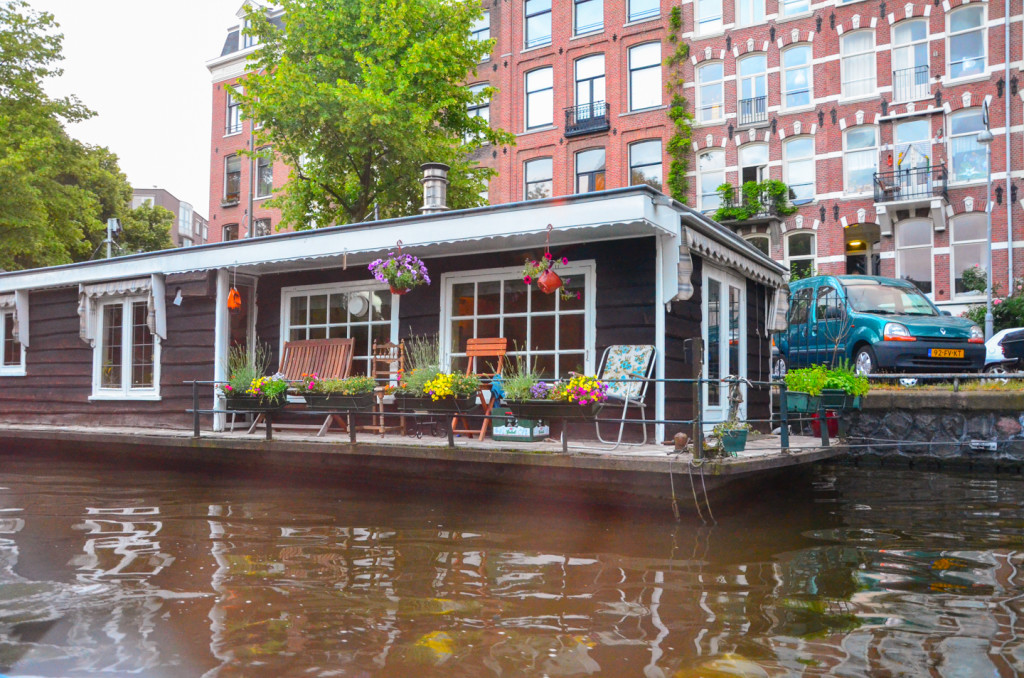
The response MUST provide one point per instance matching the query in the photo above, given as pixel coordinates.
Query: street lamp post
(985, 138)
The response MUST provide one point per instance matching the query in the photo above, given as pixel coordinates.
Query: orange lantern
(234, 301)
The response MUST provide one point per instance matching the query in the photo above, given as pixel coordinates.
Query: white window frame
(922, 91)
(700, 191)
(720, 83)
(270, 163)
(717, 21)
(550, 89)
(632, 71)
(812, 257)
(585, 267)
(715, 412)
(125, 392)
(575, 23)
(786, 160)
(646, 15)
(899, 247)
(526, 24)
(749, 7)
(809, 67)
(291, 292)
(660, 164)
(9, 370)
(951, 156)
(803, 3)
(848, 152)
(983, 28)
(753, 80)
(844, 77)
(526, 177)
(953, 243)
(751, 237)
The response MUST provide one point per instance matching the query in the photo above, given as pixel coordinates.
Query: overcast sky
(140, 65)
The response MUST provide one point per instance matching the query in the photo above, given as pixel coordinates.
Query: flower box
(553, 409)
(255, 404)
(446, 405)
(339, 403)
(798, 401)
(838, 399)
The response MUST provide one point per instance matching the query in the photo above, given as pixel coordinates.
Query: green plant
(423, 352)
(347, 387)
(1006, 313)
(679, 147)
(729, 425)
(245, 366)
(809, 380)
(267, 388)
(415, 380)
(759, 198)
(519, 378)
(400, 271)
(975, 279)
(843, 378)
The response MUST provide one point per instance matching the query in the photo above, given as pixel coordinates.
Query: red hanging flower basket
(397, 291)
(549, 282)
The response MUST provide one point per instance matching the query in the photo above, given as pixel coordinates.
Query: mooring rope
(693, 488)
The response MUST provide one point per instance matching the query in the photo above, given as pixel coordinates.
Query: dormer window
(248, 40)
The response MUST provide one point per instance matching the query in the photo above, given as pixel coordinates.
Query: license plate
(946, 352)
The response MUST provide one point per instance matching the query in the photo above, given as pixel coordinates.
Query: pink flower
(547, 255)
(996, 302)
(228, 388)
(533, 263)
(578, 295)
(565, 261)
(528, 280)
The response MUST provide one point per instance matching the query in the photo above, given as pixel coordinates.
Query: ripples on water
(108, 571)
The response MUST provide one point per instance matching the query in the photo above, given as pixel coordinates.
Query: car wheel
(864, 361)
(997, 368)
(780, 368)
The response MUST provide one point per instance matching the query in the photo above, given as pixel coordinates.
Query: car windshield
(888, 299)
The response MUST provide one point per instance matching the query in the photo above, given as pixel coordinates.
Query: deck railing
(753, 110)
(916, 183)
(586, 119)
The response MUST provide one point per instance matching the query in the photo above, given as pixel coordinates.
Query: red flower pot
(397, 291)
(549, 282)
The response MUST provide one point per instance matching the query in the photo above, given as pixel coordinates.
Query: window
(590, 84)
(797, 77)
(860, 158)
(710, 93)
(538, 178)
(481, 30)
(761, 242)
(185, 218)
(800, 253)
(749, 12)
(858, 64)
(913, 158)
(753, 163)
(588, 16)
(645, 76)
(966, 42)
(262, 227)
(798, 169)
(479, 109)
(590, 170)
(710, 175)
(264, 177)
(794, 7)
(232, 178)
(12, 350)
(709, 16)
(229, 232)
(753, 90)
(914, 253)
(800, 310)
(365, 313)
(126, 357)
(969, 236)
(643, 9)
(248, 40)
(910, 61)
(538, 23)
(645, 163)
(968, 157)
(234, 114)
(554, 334)
(539, 98)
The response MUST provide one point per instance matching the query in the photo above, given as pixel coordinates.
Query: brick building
(868, 111)
(190, 228)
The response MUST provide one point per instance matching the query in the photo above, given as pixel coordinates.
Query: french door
(725, 341)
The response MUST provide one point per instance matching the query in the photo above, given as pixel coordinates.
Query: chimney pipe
(435, 187)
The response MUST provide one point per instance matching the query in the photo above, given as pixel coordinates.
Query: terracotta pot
(398, 292)
(549, 282)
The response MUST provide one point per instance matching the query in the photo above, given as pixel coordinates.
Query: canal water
(117, 571)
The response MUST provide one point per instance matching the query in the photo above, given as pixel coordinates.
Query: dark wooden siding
(759, 349)
(58, 384)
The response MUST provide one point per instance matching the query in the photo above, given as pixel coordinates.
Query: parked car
(877, 324)
(997, 359)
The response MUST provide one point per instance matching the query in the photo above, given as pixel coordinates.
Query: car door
(798, 333)
(830, 326)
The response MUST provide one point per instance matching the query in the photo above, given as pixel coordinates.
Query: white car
(995, 361)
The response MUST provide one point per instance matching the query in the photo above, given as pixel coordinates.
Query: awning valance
(778, 320)
(19, 302)
(89, 296)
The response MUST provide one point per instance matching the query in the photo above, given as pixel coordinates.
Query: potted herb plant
(804, 387)
(354, 394)
(732, 435)
(402, 272)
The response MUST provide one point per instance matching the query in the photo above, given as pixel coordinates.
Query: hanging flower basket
(549, 282)
(543, 272)
(402, 272)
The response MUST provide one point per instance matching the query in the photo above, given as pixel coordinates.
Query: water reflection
(134, 572)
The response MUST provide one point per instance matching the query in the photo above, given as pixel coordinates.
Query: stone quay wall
(955, 429)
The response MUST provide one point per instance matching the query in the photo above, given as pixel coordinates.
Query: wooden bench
(326, 358)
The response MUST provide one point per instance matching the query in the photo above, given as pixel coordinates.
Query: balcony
(586, 119)
(910, 84)
(753, 111)
(764, 202)
(907, 190)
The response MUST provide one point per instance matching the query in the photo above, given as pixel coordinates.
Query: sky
(140, 65)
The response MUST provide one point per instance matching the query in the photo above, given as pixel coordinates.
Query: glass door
(725, 342)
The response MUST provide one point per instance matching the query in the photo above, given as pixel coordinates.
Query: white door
(725, 341)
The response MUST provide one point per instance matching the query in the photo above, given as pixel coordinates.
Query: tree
(146, 228)
(356, 94)
(57, 192)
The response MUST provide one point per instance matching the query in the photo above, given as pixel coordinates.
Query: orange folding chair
(475, 349)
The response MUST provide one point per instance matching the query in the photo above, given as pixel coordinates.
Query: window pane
(110, 376)
(542, 337)
(590, 67)
(714, 340)
(643, 9)
(966, 122)
(964, 257)
(645, 88)
(590, 161)
(801, 244)
(860, 137)
(909, 31)
(265, 177)
(763, 244)
(753, 65)
(970, 227)
(142, 348)
(965, 19)
(12, 348)
(916, 266)
(589, 15)
(463, 297)
(913, 233)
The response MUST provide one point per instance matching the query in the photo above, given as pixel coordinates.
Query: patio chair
(387, 363)
(626, 362)
(475, 349)
(326, 358)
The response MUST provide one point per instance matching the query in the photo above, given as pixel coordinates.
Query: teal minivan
(878, 325)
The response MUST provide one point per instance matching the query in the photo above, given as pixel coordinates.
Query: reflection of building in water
(123, 549)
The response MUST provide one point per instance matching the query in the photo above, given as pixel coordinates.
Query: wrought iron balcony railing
(753, 111)
(916, 183)
(586, 119)
(910, 84)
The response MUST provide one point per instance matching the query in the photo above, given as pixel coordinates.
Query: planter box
(798, 401)
(837, 399)
(553, 409)
(251, 404)
(734, 441)
(443, 406)
(339, 403)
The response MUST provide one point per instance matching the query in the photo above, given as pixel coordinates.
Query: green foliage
(1006, 313)
(518, 378)
(348, 387)
(729, 425)
(975, 279)
(768, 197)
(355, 96)
(423, 352)
(244, 367)
(464, 385)
(679, 147)
(416, 379)
(809, 380)
(146, 228)
(845, 379)
(57, 192)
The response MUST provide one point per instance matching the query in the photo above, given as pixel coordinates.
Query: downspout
(220, 343)
(1009, 127)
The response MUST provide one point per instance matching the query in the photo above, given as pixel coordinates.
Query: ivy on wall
(680, 145)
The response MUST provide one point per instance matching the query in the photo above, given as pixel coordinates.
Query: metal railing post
(823, 421)
(784, 416)
(195, 409)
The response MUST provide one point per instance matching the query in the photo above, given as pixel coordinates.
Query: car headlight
(896, 332)
(977, 336)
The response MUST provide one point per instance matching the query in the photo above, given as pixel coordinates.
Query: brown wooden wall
(58, 384)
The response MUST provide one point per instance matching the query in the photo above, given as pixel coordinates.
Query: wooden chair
(475, 349)
(326, 358)
(387, 363)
